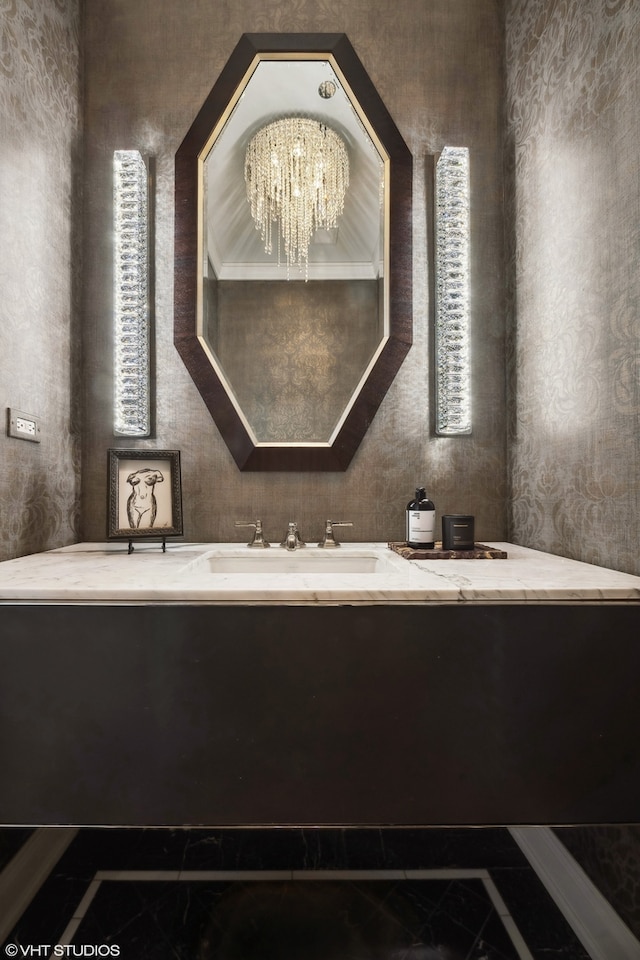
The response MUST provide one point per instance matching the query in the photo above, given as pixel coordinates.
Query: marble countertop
(190, 573)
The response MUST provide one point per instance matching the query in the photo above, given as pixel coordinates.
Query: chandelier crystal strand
(296, 172)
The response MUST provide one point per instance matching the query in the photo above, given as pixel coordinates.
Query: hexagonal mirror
(293, 252)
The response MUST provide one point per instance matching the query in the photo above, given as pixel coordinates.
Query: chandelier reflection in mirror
(297, 173)
(131, 295)
(452, 347)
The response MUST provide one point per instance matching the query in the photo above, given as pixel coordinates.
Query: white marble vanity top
(356, 573)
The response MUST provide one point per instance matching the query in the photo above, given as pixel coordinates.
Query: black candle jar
(457, 532)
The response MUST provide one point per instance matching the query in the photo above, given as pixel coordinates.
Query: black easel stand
(164, 546)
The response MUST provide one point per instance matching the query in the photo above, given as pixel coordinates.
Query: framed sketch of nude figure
(145, 496)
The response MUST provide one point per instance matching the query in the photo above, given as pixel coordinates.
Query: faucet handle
(329, 541)
(257, 539)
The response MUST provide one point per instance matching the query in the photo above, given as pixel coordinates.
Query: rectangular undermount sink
(304, 562)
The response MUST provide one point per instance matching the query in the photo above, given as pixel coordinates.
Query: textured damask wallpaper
(573, 142)
(437, 65)
(39, 217)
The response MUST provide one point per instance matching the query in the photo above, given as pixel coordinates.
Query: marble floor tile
(296, 895)
(11, 839)
(269, 920)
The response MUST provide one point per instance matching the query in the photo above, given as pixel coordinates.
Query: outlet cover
(24, 426)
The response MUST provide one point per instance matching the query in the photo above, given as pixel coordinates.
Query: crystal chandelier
(297, 172)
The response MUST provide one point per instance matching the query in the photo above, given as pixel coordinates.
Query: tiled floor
(294, 895)
(10, 843)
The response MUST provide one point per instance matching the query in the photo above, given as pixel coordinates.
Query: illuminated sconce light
(452, 334)
(132, 416)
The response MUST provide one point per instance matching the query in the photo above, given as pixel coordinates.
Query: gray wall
(39, 269)
(573, 140)
(437, 66)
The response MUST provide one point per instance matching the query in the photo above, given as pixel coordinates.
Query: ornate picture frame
(144, 494)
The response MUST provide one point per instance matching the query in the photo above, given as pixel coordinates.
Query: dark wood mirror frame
(338, 455)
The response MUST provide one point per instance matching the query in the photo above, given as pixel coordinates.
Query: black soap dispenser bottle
(421, 522)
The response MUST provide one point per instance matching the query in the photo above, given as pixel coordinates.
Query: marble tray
(480, 552)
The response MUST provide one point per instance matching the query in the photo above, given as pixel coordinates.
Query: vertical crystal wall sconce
(452, 335)
(132, 417)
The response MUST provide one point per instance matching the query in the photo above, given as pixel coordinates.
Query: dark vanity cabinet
(325, 715)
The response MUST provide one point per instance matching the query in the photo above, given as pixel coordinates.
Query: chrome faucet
(329, 541)
(293, 540)
(258, 539)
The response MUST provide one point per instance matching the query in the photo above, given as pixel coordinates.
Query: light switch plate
(24, 426)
